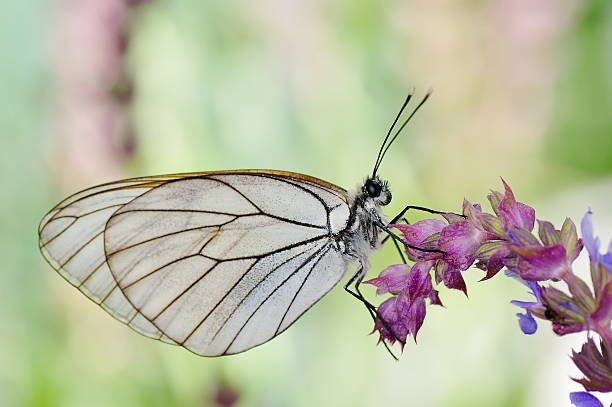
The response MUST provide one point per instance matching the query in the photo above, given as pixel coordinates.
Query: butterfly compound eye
(373, 188)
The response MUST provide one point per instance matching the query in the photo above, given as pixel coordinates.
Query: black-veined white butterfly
(217, 262)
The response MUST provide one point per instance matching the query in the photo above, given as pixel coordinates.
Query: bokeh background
(95, 90)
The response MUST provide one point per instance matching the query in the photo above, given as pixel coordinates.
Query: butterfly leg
(357, 278)
(418, 208)
(399, 239)
(399, 251)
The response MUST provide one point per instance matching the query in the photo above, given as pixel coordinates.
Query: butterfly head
(377, 190)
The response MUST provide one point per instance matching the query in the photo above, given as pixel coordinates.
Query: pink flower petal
(471, 211)
(460, 241)
(417, 233)
(393, 279)
(419, 280)
(434, 298)
(395, 312)
(497, 261)
(513, 213)
(416, 316)
(539, 263)
(453, 279)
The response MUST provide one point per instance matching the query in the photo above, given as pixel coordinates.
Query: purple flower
(451, 278)
(434, 298)
(567, 237)
(395, 313)
(539, 263)
(493, 256)
(403, 313)
(534, 288)
(584, 399)
(592, 243)
(567, 314)
(603, 314)
(534, 261)
(466, 240)
(596, 365)
(419, 281)
(514, 214)
(418, 235)
(460, 240)
(601, 274)
(507, 239)
(419, 288)
(526, 321)
(416, 316)
(392, 280)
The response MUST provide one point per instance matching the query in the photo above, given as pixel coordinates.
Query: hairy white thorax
(362, 234)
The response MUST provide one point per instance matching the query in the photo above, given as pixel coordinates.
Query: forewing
(216, 262)
(225, 262)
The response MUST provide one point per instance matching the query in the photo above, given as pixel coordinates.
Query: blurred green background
(96, 90)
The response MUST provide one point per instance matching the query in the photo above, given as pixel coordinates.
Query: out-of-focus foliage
(95, 90)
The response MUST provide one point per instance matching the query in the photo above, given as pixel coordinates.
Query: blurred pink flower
(92, 89)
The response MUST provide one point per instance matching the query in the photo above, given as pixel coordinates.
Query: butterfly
(217, 262)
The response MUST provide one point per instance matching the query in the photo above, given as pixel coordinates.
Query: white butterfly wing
(215, 262)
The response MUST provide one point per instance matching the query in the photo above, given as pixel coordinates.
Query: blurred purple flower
(565, 313)
(434, 298)
(93, 88)
(584, 399)
(224, 395)
(603, 314)
(526, 321)
(592, 243)
(601, 274)
(596, 365)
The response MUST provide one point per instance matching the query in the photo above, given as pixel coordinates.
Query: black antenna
(410, 93)
(416, 109)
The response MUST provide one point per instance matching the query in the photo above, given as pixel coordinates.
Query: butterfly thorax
(360, 237)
